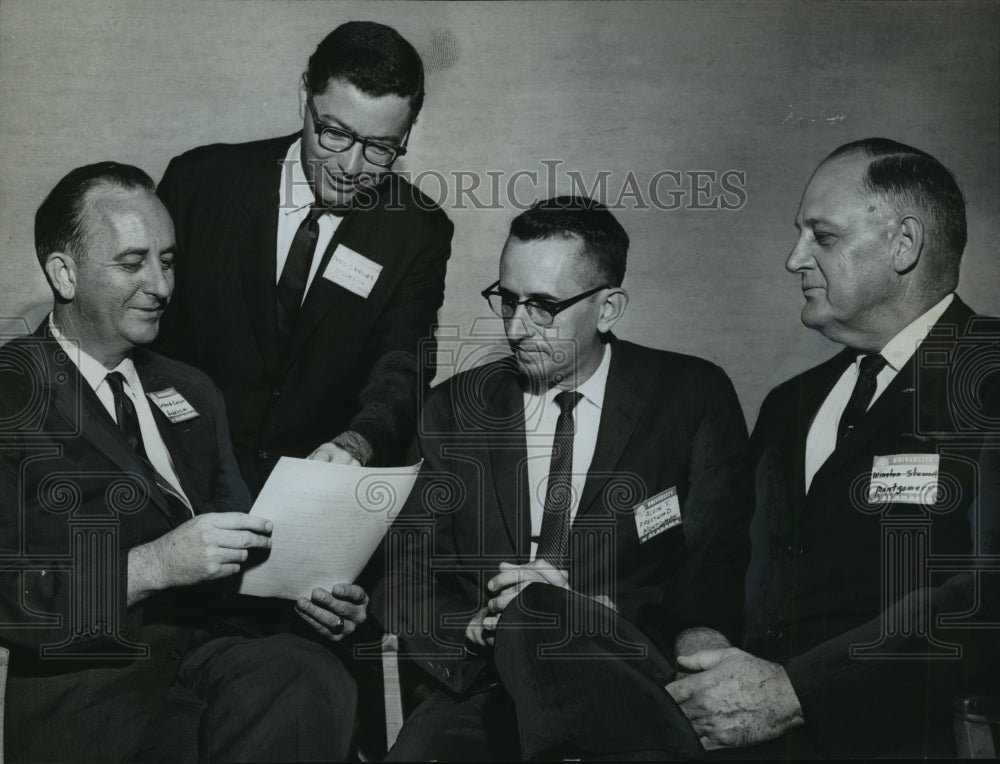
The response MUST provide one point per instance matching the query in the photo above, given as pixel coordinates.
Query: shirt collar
(592, 389)
(91, 369)
(900, 349)
(302, 193)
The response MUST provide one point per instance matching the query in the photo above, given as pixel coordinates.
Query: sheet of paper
(328, 519)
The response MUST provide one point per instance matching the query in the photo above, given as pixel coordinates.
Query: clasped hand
(505, 586)
(734, 699)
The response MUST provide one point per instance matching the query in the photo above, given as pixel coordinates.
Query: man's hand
(512, 579)
(477, 633)
(330, 452)
(336, 613)
(733, 699)
(699, 638)
(209, 546)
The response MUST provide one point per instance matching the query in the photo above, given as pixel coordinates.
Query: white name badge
(354, 272)
(173, 405)
(657, 514)
(904, 479)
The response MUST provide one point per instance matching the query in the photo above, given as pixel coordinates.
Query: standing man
(308, 272)
(608, 476)
(870, 602)
(124, 519)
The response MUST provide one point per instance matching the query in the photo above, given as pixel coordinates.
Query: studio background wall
(671, 112)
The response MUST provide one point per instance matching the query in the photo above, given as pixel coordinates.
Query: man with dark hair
(309, 272)
(125, 519)
(870, 599)
(585, 484)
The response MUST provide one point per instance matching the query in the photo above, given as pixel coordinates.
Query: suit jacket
(831, 570)
(352, 363)
(76, 499)
(668, 421)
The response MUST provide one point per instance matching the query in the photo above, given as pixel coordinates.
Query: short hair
(898, 172)
(59, 221)
(374, 58)
(605, 242)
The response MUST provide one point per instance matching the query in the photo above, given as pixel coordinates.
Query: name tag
(904, 479)
(657, 514)
(173, 405)
(353, 271)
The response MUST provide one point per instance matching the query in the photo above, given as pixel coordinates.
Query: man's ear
(907, 244)
(303, 95)
(612, 309)
(61, 271)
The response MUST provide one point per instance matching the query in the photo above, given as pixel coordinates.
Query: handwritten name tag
(657, 514)
(173, 405)
(353, 271)
(904, 479)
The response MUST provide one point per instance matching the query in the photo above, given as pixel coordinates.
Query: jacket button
(276, 394)
(262, 454)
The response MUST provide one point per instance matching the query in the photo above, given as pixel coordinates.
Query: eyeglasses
(541, 312)
(338, 139)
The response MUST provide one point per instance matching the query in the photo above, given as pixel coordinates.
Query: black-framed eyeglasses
(541, 312)
(338, 139)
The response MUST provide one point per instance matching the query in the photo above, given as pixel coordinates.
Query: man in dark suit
(308, 272)
(870, 595)
(607, 475)
(124, 520)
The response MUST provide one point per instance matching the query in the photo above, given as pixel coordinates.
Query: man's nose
(160, 283)
(518, 325)
(352, 161)
(799, 258)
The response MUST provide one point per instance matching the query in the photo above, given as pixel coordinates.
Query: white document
(328, 519)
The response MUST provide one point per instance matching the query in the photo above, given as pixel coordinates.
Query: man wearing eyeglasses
(308, 271)
(582, 516)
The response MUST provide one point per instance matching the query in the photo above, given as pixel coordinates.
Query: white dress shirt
(295, 197)
(95, 374)
(822, 438)
(540, 416)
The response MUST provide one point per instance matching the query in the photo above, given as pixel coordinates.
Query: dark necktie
(128, 420)
(861, 398)
(553, 540)
(292, 284)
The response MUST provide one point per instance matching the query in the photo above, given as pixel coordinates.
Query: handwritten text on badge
(904, 479)
(354, 272)
(173, 405)
(657, 514)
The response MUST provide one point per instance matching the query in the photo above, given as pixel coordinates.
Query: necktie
(861, 397)
(292, 284)
(553, 540)
(128, 420)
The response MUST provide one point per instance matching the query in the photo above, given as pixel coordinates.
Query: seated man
(870, 602)
(124, 519)
(607, 475)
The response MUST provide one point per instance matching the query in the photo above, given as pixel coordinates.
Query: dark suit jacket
(84, 667)
(353, 363)
(826, 563)
(667, 421)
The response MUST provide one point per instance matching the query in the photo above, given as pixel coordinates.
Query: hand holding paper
(328, 519)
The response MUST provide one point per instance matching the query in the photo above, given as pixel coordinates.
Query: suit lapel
(79, 405)
(323, 294)
(507, 454)
(620, 413)
(184, 451)
(257, 248)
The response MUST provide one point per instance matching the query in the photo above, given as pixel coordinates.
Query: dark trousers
(577, 680)
(278, 698)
